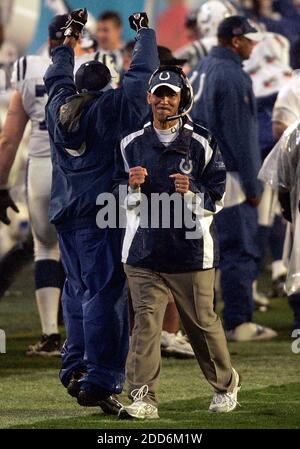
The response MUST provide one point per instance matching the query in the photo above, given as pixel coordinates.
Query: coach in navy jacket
(83, 132)
(167, 249)
(173, 157)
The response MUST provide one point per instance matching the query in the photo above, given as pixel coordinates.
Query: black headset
(187, 96)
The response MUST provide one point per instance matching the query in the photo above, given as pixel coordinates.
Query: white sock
(278, 269)
(48, 301)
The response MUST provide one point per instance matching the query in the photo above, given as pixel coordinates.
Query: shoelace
(219, 398)
(139, 393)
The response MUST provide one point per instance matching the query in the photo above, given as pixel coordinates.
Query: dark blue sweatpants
(237, 229)
(94, 307)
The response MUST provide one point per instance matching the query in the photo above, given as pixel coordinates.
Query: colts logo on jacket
(186, 166)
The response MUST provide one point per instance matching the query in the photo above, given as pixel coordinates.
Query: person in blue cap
(172, 168)
(225, 104)
(84, 120)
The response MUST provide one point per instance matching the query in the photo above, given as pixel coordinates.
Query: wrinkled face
(244, 46)
(108, 35)
(164, 102)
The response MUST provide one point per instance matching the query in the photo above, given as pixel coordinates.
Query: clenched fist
(182, 183)
(138, 21)
(137, 177)
(75, 24)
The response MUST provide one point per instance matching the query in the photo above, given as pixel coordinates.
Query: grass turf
(32, 397)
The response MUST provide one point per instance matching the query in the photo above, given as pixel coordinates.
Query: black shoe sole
(124, 415)
(87, 400)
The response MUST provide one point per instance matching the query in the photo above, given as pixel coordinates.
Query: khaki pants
(193, 294)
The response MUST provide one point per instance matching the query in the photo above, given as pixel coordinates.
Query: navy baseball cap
(55, 27)
(166, 78)
(92, 76)
(166, 57)
(234, 26)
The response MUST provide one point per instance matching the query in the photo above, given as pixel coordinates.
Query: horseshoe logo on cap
(164, 78)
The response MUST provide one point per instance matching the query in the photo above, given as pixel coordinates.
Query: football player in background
(28, 104)
(109, 37)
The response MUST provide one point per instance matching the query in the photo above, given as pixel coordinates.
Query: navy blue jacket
(83, 159)
(225, 104)
(265, 107)
(167, 249)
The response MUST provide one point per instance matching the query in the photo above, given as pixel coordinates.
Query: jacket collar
(226, 53)
(182, 142)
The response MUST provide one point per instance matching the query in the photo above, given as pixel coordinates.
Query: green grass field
(32, 397)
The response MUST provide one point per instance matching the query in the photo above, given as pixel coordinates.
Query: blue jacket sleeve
(135, 83)
(59, 83)
(240, 130)
(210, 184)
(120, 176)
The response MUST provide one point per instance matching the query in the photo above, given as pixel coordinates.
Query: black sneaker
(92, 397)
(111, 405)
(73, 387)
(48, 346)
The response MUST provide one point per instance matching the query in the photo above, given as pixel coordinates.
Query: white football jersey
(27, 78)
(287, 106)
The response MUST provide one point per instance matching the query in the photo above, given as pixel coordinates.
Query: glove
(5, 202)
(285, 203)
(75, 24)
(138, 21)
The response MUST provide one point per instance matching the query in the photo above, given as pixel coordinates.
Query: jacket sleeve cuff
(133, 199)
(193, 202)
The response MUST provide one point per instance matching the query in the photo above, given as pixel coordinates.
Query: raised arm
(144, 61)
(59, 77)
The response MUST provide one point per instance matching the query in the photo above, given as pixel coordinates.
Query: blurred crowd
(272, 68)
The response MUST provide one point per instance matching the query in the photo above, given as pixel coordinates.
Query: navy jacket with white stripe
(168, 249)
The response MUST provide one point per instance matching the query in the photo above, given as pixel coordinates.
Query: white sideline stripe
(208, 243)
(208, 151)
(126, 141)
(133, 221)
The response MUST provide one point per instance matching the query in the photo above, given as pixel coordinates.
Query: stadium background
(30, 394)
(34, 16)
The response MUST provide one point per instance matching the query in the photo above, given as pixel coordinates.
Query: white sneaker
(139, 409)
(250, 332)
(176, 345)
(226, 402)
(258, 297)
